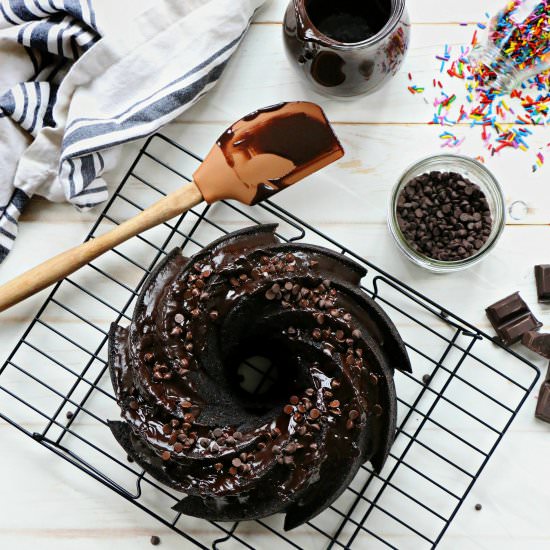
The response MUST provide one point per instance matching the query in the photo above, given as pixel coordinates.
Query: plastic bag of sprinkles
(517, 46)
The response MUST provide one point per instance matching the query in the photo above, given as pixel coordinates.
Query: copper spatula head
(266, 152)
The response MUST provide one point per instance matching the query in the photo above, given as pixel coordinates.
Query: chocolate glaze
(293, 449)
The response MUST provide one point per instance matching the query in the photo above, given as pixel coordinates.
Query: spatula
(260, 155)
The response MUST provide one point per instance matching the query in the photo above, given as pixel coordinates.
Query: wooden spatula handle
(51, 271)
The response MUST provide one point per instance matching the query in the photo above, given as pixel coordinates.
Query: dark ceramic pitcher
(347, 47)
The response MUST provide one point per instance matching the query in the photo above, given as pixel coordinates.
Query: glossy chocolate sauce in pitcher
(347, 47)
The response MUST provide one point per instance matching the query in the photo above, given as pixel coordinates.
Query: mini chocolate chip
(233, 471)
(288, 409)
(298, 418)
(186, 405)
(356, 333)
(230, 441)
(314, 413)
(204, 442)
(155, 541)
(236, 462)
(288, 460)
(290, 448)
(478, 507)
(218, 466)
(426, 379)
(166, 455)
(294, 400)
(148, 357)
(316, 333)
(377, 410)
(276, 449)
(314, 446)
(178, 448)
(334, 404)
(301, 430)
(349, 424)
(353, 414)
(261, 446)
(373, 379)
(270, 295)
(176, 331)
(70, 414)
(334, 384)
(214, 448)
(218, 432)
(320, 319)
(214, 315)
(238, 436)
(310, 392)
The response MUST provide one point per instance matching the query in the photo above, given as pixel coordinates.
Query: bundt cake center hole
(257, 375)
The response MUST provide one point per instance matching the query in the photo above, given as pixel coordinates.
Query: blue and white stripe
(55, 34)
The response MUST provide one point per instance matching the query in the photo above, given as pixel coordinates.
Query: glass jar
(474, 171)
(516, 46)
(347, 47)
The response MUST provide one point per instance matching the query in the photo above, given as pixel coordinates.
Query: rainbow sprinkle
(504, 119)
(450, 140)
(415, 89)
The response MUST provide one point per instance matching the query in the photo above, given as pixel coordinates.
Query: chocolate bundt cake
(236, 454)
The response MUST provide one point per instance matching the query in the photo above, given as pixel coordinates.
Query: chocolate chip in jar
(444, 216)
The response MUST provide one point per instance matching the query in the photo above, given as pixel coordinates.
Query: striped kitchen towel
(80, 77)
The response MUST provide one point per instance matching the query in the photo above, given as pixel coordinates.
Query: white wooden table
(46, 504)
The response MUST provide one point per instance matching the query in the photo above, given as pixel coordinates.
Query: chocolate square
(543, 405)
(537, 342)
(542, 277)
(511, 318)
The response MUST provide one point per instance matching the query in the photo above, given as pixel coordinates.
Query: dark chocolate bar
(543, 405)
(537, 342)
(511, 318)
(542, 277)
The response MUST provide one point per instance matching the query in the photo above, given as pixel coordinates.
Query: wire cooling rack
(453, 410)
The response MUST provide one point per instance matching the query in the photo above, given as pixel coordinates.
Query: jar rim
(498, 212)
(398, 8)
